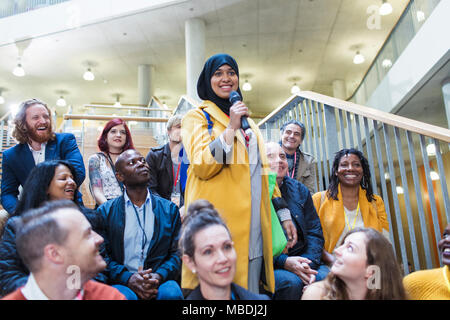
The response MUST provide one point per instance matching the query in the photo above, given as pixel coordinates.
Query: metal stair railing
(410, 177)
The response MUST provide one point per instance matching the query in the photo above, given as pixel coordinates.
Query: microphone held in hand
(235, 97)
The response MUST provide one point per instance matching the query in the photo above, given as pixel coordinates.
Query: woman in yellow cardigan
(228, 167)
(433, 284)
(349, 201)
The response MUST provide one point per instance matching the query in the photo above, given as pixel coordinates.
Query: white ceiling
(272, 41)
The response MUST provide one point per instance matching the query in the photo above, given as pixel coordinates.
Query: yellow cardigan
(227, 187)
(332, 216)
(428, 284)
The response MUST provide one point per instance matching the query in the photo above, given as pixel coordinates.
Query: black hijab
(204, 88)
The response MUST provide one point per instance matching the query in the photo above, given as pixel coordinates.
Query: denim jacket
(304, 216)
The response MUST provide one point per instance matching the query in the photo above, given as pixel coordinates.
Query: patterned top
(101, 175)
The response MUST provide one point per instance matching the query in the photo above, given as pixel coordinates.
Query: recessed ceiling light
(247, 86)
(295, 89)
(420, 16)
(88, 75)
(358, 58)
(385, 8)
(18, 70)
(431, 150)
(387, 63)
(434, 175)
(61, 102)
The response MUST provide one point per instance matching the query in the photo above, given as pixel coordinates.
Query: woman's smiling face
(224, 80)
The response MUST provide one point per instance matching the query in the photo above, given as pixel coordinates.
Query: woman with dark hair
(49, 180)
(228, 166)
(208, 251)
(115, 139)
(349, 201)
(365, 269)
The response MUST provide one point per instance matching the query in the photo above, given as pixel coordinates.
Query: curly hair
(20, 132)
(102, 141)
(379, 252)
(333, 187)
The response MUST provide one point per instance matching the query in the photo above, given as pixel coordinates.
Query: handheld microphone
(235, 97)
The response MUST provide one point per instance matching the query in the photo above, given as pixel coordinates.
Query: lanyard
(175, 179)
(445, 271)
(144, 235)
(246, 137)
(354, 221)
(293, 168)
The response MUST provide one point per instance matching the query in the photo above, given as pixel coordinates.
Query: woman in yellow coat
(228, 167)
(349, 201)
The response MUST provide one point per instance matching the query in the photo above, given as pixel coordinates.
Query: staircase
(6, 143)
(409, 161)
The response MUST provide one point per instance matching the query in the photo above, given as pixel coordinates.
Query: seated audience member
(49, 180)
(432, 284)
(115, 139)
(365, 269)
(37, 143)
(301, 164)
(62, 252)
(349, 201)
(141, 234)
(208, 251)
(165, 163)
(302, 264)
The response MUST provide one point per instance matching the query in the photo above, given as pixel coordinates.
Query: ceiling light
(295, 89)
(359, 58)
(61, 102)
(247, 86)
(399, 190)
(386, 176)
(387, 63)
(420, 16)
(18, 70)
(117, 104)
(385, 8)
(434, 175)
(88, 75)
(431, 150)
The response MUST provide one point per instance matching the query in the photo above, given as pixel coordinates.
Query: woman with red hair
(115, 139)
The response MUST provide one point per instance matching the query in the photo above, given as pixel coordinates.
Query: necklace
(354, 221)
(114, 153)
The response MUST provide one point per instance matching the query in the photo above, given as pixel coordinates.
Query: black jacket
(13, 272)
(161, 171)
(162, 255)
(239, 292)
(309, 229)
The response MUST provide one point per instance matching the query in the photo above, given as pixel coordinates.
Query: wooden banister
(101, 106)
(422, 128)
(103, 117)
